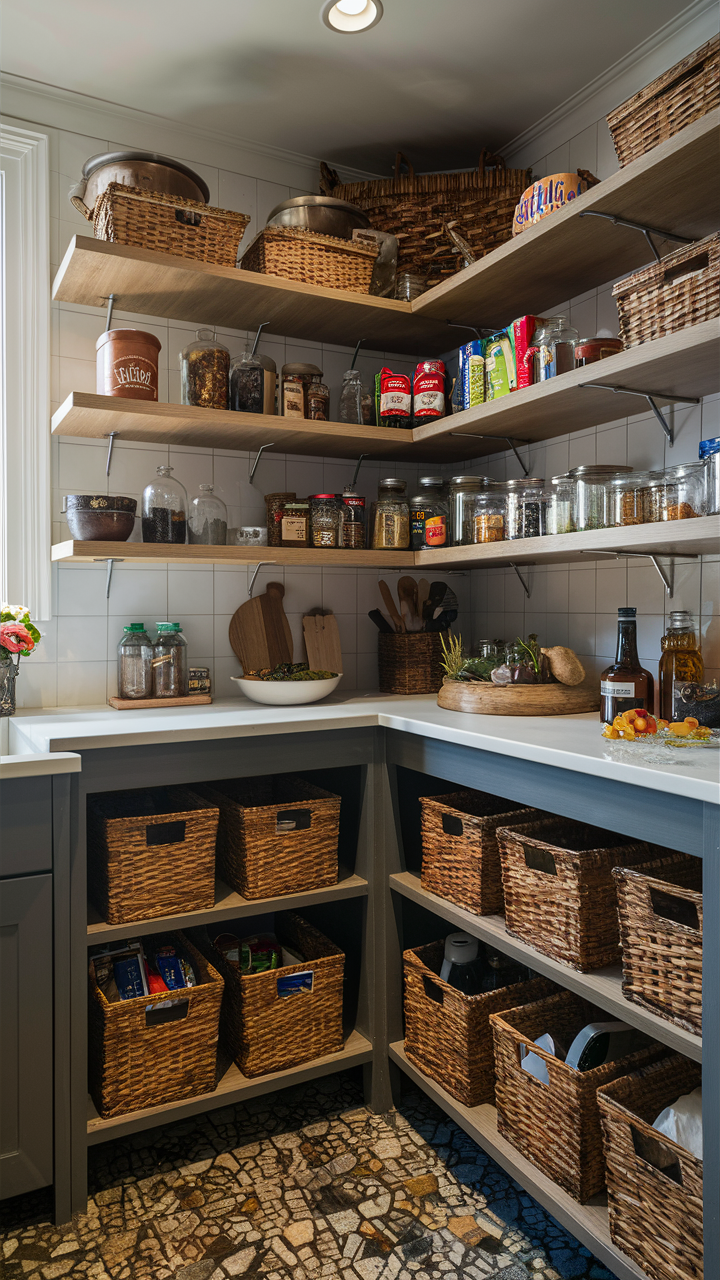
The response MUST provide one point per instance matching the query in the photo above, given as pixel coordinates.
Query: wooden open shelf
(232, 1086)
(603, 987)
(164, 553)
(588, 1222)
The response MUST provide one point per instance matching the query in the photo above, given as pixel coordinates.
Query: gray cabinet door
(26, 1034)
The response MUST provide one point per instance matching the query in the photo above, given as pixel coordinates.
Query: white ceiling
(439, 79)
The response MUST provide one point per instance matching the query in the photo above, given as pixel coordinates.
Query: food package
(471, 374)
(521, 335)
(428, 391)
(500, 375)
(395, 399)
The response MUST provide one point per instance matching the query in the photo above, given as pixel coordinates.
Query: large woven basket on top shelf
(168, 224)
(447, 1033)
(409, 663)
(660, 913)
(311, 258)
(150, 853)
(681, 290)
(655, 1186)
(684, 93)
(266, 1031)
(557, 1125)
(260, 854)
(141, 1054)
(460, 855)
(559, 890)
(416, 207)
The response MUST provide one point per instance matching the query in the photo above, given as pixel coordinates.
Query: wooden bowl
(519, 699)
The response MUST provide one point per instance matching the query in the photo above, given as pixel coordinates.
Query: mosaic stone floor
(300, 1185)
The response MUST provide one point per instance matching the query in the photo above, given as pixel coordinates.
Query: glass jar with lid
(208, 518)
(318, 400)
(351, 394)
(560, 505)
(170, 662)
(628, 499)
(324, 520)
(390, 517)
(554, 348)
(709, 454)
(593, 493)
(352, 519)
(489, 514)
(134, 662)
(678, 493)
(247, 384)
(205, 371)
(164, 509)
(462, 492)
(429, 515)
(295, 524)
(524, 508)
(296, 378)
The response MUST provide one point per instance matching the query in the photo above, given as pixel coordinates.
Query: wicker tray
(559, 891)
(267, 1032)
(311, 258)
(519, 699)
(660, 913)
(260, 861)
(680, 291)
(555, 1126)
(169, 224)
(447, 1033)
(140, 1056)
(684, 93)
(460, 855)
(150, 853)
(655, 1186)
(409, 662)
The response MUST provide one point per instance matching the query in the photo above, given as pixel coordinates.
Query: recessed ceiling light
(349, 16)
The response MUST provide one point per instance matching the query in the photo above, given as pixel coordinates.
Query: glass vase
(8, 676)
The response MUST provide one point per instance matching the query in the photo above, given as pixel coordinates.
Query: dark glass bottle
(625, 684)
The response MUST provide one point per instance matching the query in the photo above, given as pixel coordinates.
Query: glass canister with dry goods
(560, 505)
(352, 520)
(134, 662)
(628, 499)
(391, 517)
(275, 503)
(489, 515)
(462, 491)
(524, 508)
(593, 493)
(678, 493)
(207, 524)
(164, 509)
(205, 372)
(324, 520)
(318, 400)
(295, 524)
(296, 379)
(247, 384)
(170, 662)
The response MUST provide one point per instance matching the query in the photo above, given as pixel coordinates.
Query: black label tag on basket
(166, 1011)
(165, 832)
(539, 859)
(452, 825)
(301, 817)
(657, 1155)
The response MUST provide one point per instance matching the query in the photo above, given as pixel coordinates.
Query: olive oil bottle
(625, 684)
(681, 659)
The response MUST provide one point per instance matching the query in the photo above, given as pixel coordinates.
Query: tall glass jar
(678, 493)
(489, 515)
(524, 508)
(462, 492)
(164, 509)
(204, 372)
(391, 517)
(318, 401)
(295, 524)
(208, 518)
(429, 515)
(247, 384)
(134, 662)
(709, 454)
(170, 662)
(324, 520)
(560, 505)
(352, 519)
(628, 499)
(554, 344)
(351, 397)
(593, 493)
(681, 659)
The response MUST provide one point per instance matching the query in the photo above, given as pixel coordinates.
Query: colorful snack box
(521, 334)
(500, 375)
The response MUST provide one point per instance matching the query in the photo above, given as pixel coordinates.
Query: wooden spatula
(408, 594)
(390, 605)
(423, 593)
(322, 641)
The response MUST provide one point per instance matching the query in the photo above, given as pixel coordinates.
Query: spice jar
(709, 453)
(352, 520)
(170, 662)
(489, 515)
(164, 509)
(593, 494)
(628, 499)
(351, 397)
(524, 508)
(134, 662)
(462, 492)
(560, 505)
(274, 503)
(324, 520)
(204, 372)
(554, 348)
(429, 515)
(590, 350)
(247, 384)
(391, 517)
(296, 379)
(318, 401)
(295, 524)
(207, 523)
(677, 493)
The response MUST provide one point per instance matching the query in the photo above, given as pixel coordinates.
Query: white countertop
(39, 765)
(568, 742)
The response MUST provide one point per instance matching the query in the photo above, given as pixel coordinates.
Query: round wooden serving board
(519, 699)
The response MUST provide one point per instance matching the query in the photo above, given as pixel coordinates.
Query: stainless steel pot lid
(326, 202)
(150, 157)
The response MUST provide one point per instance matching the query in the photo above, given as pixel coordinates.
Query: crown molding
(671, 42)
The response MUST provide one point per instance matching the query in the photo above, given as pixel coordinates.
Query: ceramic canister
(127, 364)
(548, 196)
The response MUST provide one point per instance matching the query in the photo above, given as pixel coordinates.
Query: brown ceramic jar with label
(127, 364)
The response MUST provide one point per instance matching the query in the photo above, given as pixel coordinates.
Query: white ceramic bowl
(286, 693)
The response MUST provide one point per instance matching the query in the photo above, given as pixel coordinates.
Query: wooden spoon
(390, 605)
(423, 593)
(408, 593)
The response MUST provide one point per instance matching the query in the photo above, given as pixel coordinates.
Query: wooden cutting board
(520, 699)
(322, 641)
(259, 631)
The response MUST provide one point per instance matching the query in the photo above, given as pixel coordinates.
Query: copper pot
(143, 169)
(127, 364)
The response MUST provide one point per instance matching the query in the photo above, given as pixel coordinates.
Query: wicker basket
(256, 856)
(409, 662)
(680, 291)
(557, 1125)
(559, 891)
(416, 209)
(684, 93)
(460, 855)
(655, 1186)
(311, 258)
(151, 853)
(447, 1033)
(266, 1031)
(142, 1054)
(169, 224)
(660, 911)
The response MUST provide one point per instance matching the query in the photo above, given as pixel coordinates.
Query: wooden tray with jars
(146, 704)
(487, 699)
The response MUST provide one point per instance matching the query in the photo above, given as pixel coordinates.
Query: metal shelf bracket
(255, 573)
(648, 232)
(472, 435)
(110, 437)
(109, 562)
(525, 585)
(667, 578)
(360, 461)
(651, 396)
(258, 456)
